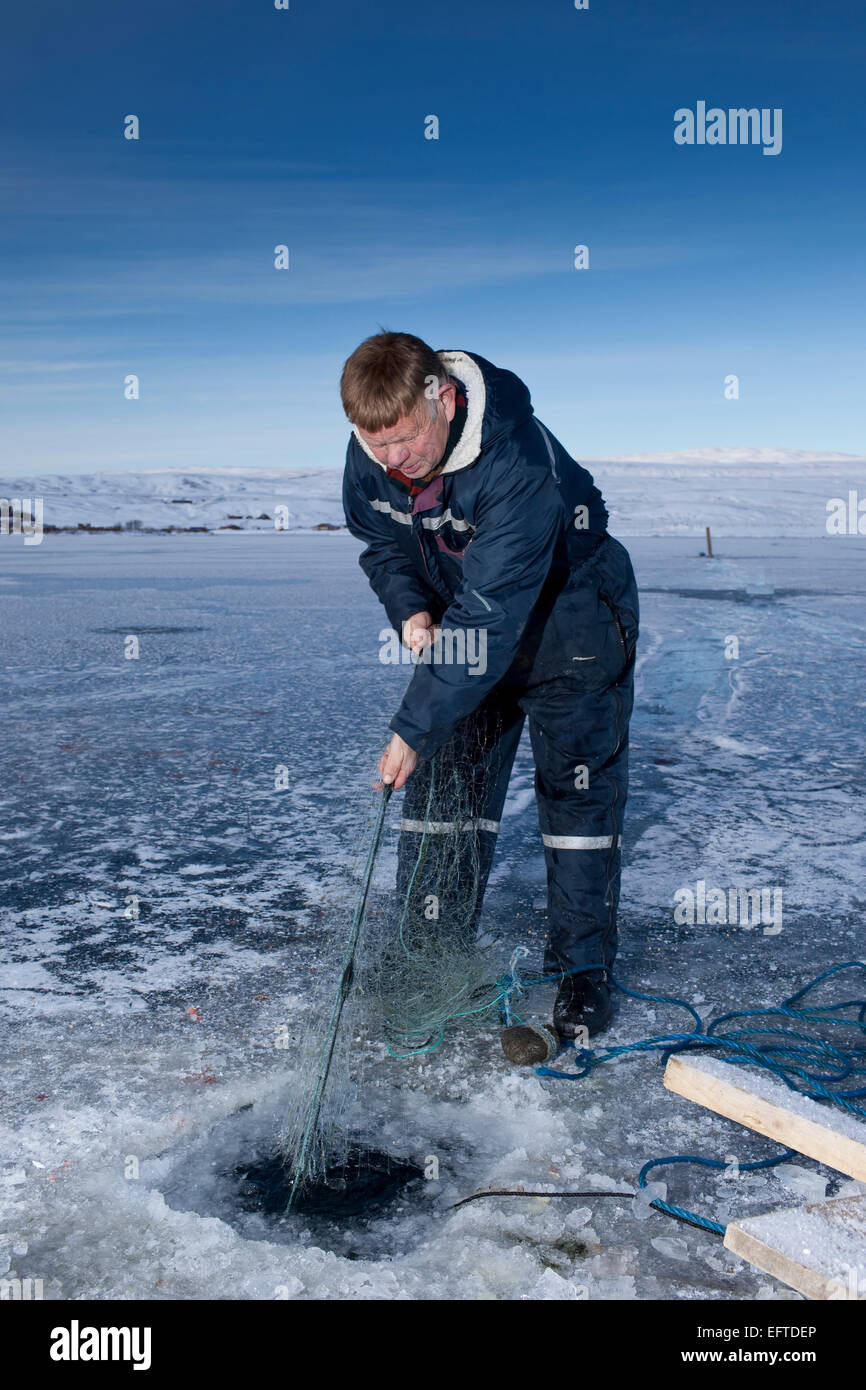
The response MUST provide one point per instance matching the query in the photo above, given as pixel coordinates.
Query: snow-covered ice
(168, 892)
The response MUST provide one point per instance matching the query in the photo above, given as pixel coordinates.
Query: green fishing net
(406, 962)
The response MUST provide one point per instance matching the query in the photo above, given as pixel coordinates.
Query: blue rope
(692, 1217)
(793, 1060)
(787, 1053)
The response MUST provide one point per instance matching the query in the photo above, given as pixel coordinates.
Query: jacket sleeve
(392, 575)
(504, 570)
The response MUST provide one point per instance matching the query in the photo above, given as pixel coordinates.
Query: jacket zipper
(608, 603)
(419, 536)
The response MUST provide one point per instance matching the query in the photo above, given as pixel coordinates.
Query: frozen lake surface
(165, 906)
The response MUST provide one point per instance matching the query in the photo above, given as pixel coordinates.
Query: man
(478, 523)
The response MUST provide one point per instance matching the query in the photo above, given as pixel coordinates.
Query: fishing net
(408, 961)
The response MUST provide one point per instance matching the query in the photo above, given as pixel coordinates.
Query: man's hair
(387, 377)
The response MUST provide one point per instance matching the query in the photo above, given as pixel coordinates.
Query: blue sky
(306, 127)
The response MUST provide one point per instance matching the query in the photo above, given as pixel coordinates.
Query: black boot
(583, 1001)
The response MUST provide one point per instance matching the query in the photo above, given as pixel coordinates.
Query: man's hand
(398, 763)
(419, 631)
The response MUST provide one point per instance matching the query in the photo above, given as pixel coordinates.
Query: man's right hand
(419, 631)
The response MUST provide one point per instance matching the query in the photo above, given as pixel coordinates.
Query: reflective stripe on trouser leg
(470, 783)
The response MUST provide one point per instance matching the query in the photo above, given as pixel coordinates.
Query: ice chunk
(654, 1191)
(289, 1288)
(552, 1287)
(671, 1246)
(803, 1181)
(851, 1189)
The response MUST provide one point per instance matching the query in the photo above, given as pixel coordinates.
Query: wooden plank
(819, 1249)
(762, 1103)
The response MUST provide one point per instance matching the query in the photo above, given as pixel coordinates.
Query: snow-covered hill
(745, 454)
(235, 498)
(734, 491)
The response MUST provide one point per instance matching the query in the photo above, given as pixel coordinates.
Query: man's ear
(448, 397)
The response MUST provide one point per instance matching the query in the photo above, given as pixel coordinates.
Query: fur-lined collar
(468, 446)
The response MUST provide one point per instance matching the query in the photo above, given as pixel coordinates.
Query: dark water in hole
(364, 1183)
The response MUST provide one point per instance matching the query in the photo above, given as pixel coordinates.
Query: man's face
(416, 443)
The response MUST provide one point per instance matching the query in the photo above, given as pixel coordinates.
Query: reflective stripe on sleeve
(379, 506)
(433, 523)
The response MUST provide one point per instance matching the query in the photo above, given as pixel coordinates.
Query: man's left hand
(397, 763)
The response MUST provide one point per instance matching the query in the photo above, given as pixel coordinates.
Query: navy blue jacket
(486, 543)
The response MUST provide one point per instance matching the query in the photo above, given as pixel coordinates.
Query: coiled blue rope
(791, 1055)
